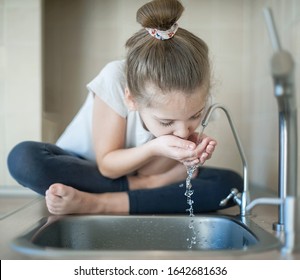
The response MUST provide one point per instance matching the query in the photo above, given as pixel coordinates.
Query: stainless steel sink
(142, 236)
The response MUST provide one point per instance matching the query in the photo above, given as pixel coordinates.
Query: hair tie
(163, 34)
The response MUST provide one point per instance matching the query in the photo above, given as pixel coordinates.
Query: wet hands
(193, 151)
(203, 151)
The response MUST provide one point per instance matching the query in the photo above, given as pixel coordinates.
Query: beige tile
(295, 42)
(23, 79)
(3, 164)
(21, 3)
(228, 14)
(265, 173)
(8, 181)
(10, 205)
(1, 24)
(198, 14)
(19, 127)
(23, 24)
(229, 42)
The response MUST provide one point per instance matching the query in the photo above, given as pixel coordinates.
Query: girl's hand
(174, 148)
(204, 150)
(189, 152)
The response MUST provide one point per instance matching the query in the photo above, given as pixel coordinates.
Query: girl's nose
(182, 131)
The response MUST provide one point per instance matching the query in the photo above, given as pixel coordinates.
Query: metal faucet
(288, 203)
(243, 198)
(283, 87)
(282, 70)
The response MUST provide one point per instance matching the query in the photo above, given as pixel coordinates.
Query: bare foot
(62, 200)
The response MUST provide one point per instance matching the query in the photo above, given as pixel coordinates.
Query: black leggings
(38, 165)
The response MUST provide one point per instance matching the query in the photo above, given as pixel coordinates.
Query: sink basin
(146, 236)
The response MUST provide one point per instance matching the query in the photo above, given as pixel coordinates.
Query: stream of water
(188, 193)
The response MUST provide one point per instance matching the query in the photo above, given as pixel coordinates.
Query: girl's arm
(109, 130)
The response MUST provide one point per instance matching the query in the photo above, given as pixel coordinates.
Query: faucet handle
(234, 194)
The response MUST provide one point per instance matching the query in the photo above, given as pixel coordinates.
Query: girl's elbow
(108, 173)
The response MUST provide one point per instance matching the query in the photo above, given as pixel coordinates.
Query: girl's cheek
(160, 132)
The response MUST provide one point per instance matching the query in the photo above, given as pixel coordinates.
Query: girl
(127, 149)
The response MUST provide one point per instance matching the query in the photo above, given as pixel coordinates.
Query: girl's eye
(166, 124)
(197, 116)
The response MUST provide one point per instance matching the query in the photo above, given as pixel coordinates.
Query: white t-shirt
(109, 85)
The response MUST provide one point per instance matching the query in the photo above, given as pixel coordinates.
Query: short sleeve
(109, 85)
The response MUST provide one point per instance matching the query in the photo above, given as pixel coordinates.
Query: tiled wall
(76, 47)
(82, 36)
(20, 76)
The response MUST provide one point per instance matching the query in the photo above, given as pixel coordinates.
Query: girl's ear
(129, 100)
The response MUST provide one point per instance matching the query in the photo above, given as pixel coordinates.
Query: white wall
(20, 76)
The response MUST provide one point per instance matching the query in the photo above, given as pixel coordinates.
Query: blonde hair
(180, 63)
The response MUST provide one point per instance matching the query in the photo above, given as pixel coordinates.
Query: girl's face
(174, 113)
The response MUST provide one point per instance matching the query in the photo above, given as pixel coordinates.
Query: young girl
(128, 148)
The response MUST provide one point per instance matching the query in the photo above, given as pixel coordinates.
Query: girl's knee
(235, 179)
(23, 156)
(222, 177)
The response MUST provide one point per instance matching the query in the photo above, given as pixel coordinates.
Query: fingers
(177, 148)
(191, 162)
(186, 151)
(207, 153)
(201, 153)
(205, 149)
(206, 141)
(199, 160)
(210, 148)
(183, 144)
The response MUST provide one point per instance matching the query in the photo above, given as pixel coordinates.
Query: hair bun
(160, 14)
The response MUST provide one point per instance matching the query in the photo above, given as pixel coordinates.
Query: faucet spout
(245, 194)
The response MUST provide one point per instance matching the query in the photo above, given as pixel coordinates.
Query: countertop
(18, 214)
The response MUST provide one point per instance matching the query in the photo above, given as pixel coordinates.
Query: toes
(59, 190)
(59, 198)
(53, 201)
